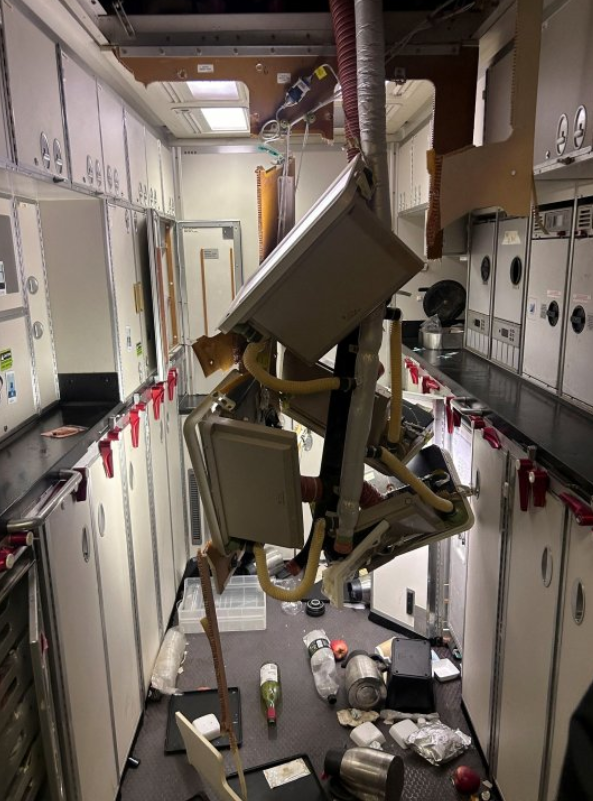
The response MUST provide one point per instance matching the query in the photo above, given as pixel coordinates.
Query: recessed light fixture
(214, 90)
(226, 118)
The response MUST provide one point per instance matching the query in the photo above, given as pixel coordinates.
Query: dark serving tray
(193, 705)
(308, 787)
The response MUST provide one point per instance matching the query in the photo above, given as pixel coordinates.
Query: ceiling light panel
(214, 90)
(226, 119)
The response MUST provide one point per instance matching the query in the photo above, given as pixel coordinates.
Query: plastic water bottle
(323, 665)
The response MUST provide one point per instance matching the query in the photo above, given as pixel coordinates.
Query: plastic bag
(432, 325)
(168, 662)
(438, 743)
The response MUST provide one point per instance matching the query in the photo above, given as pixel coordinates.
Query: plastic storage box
(241, 607)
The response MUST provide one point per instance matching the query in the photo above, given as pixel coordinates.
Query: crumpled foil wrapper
(438, 743)
(354, 717)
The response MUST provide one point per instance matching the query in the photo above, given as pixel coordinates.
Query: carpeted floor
(306, 723)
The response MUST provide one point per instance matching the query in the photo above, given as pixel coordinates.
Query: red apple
(466, 780)
(339, 648)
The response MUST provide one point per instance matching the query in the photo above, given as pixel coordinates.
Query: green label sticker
(138, 349)
(5, 360)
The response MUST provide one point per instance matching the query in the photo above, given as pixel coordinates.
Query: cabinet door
(35, 282)
(144, 292)
(534, 559)
(481, 602)
(481, 266)
(153, 171)
(35, 94)
(11, 292)
(421, 144)
(135, 445)
(109, 524)
(135, 137)
(162, 512)
(168, 180)
(499, 81)
(545, 309)
(575, 646)
(82, 121)
(72, 567)
(127, 294)
(17, 399)
(511, 266)
(404, 176)
(176, 482)
(111, 119)
(576, 380)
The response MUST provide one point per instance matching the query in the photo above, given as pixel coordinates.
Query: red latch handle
(453, 416)
(134, 416)
(477, 421)
(491, 436)
(107, 457)
(523, 468)
(429, 383)
(171, 382)
(582, 512)
(158, 396)
(540, 481)
(413, 368)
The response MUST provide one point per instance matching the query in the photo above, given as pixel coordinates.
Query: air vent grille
(195, 515)
(585, 218)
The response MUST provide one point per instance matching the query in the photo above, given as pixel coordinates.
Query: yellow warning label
(321, 73)
(5, 360)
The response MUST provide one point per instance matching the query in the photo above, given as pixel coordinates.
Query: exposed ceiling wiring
(435, 17)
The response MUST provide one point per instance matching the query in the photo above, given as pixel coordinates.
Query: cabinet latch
(524, 466)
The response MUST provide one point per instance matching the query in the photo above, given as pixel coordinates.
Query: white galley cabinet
(421, 144)
(69, 565)
(577, 383)
(213, 273)
(134, 438)
(128, 298)
(481, 279)
(534, 559)
(489, 465)
(136, 144)
(176, 473)
(36, 292)
(546, 301)
(160, 497)
(575, 641)
(111, 119)
(35, 94)
(168, 173)
(113, 554)
(17, 399)
(81, 106)
(153, 171)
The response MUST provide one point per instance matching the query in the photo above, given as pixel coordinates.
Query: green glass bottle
(270, 690)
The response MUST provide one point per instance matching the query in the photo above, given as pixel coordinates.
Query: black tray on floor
(308, 787)
(193, 705)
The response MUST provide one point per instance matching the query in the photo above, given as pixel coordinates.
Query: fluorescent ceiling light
(214, 90)
(226, 119)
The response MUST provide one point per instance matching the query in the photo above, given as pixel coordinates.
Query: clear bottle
(323, 665)
(270, 690)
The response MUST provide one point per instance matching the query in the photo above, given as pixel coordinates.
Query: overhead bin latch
(582, 512)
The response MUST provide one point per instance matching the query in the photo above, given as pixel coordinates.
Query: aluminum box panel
(336, 265)
(578, 379)
(511, 266)
(481, 266)
(544, 312)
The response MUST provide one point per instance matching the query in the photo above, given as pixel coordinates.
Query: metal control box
(577, 383)
(511, 252)
(545, 305)
(482, 261)
(563, 125)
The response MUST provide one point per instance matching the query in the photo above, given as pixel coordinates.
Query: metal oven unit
(481, 278)
(511, 260)
(546, 289)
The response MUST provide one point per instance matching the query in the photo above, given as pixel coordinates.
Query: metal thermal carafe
(577, 382)
(481, 277)
(544, 312)
(511, 251)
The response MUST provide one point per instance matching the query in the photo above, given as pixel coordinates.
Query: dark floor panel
(306, 724)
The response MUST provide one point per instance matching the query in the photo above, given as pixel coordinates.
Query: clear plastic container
(241, 607)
